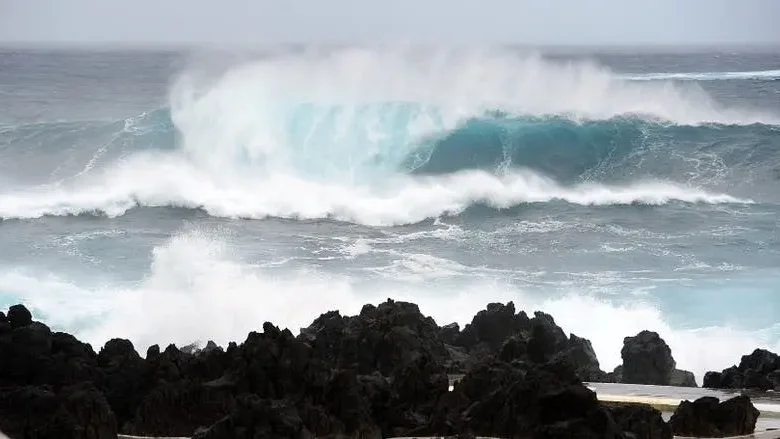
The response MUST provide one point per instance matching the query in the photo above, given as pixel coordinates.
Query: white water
(706, 76)
(199, 289)
(398, 200)
(314, 135)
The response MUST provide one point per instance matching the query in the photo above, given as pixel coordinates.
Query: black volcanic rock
(545, 401)
(448, 333)
(381, 373)
(493, 325)
(759, 370)
(19, 316)
(75, 412)
(255, 418)
(5, 326)
(708, 417)
(647, 359)
(642, 420)
(415, 390)
(125, 372)
(499, 331)
(682, 378)
(179, 408)
(379, 338)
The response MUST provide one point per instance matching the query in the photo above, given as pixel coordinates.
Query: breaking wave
(186, 271)
(383, 137)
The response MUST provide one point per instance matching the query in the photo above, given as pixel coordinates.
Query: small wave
(704, 76)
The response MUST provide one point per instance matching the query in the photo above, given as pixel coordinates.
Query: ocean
(174, 196)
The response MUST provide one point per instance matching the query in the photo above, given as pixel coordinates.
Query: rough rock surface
(708, 417)
(641, 420)
(381, 373)
(75, 412)
(647, 359)
(536, 339)
(759, 370)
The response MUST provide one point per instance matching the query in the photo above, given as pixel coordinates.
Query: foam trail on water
(397, 200)
(704, 76)
(197, 290)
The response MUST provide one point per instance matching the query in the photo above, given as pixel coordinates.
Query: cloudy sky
(432, 21)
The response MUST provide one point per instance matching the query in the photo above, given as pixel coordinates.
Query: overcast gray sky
(443, 21)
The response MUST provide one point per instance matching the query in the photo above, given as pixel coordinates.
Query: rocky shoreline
(382, 373)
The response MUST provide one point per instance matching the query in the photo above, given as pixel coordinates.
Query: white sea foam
(398, 200)
(704, 76)
(197, 289)
(328, 134)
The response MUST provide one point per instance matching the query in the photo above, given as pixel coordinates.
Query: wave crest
(389, 137)
(399, 200)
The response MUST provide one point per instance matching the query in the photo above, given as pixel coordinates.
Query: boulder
(642, 420)
(758, 370)
(26, 354)
(682, 378)
(708, 417)
(647, 359)
(579, 352)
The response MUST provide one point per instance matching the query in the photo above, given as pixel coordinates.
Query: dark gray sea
(174, 196)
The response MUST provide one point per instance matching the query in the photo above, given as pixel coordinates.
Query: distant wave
(381, 137)
(704, 76)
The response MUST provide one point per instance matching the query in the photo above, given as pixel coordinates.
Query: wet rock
(643, 421)
(759, 370)
(581, 355)
(647, 359)
(708, 417)
(682, 378)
